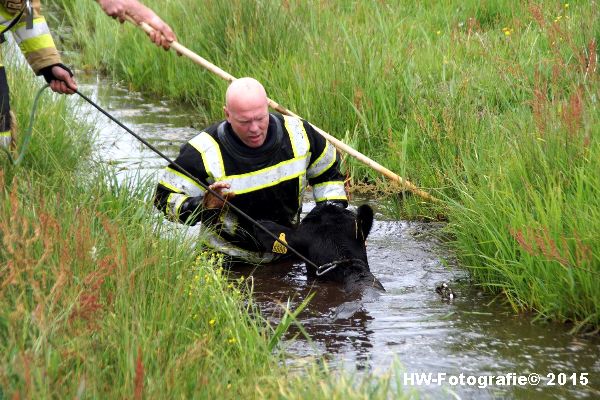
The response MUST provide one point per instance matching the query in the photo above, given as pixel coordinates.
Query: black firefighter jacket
(269, 182)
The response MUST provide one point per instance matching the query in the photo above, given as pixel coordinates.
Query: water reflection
(164, 124)
(474, 334)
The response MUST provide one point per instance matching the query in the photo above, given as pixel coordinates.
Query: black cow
(334, 239)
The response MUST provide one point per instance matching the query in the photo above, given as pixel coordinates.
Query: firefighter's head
(247, 110)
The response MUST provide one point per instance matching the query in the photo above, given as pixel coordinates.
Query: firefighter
(261, 162)
(22, 18)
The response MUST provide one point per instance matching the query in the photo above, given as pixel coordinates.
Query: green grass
(98, 300)
(490, 105)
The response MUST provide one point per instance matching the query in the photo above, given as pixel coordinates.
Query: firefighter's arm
(121, 9)
(182, 198)
(35, 41)
(323, 170)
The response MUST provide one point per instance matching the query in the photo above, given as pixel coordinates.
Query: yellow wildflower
(212, 322)
(439, 32)
(566, 5)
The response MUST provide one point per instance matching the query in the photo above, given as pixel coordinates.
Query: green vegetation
(490, 105)
(96, 301)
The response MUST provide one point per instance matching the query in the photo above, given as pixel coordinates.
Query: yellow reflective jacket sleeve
(36, 44)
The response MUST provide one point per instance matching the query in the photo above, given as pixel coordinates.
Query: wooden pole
(404, 183)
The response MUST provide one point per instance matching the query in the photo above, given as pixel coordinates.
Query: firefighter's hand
(60, 78)
(222, 188)
(121, 9)
(63, 82)
(162, 34)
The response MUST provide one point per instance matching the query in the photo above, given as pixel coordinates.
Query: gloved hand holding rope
(60, 78)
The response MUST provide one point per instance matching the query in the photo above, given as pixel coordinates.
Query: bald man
(261, 162)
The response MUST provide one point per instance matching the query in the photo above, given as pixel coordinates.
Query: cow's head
(329, 236)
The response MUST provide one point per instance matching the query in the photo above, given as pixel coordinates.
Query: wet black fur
(331, 233)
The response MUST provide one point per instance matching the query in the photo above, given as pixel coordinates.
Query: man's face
(250, 122)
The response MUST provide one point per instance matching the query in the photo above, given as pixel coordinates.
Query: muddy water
(409, 325)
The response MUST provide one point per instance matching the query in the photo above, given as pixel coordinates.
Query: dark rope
(217, 195)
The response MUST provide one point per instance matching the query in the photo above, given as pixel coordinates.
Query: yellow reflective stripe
(36, 43)
(3, 134)
(323, 163)
(329, 191)
(298, 137)
(221, 245)
(211, 155)
(180, 182)
(267, 177)
(170, 187)
(174, 202)
(6, 16)
(39, 28)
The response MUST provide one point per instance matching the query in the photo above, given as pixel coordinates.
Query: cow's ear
(284, 234)
(364, 221)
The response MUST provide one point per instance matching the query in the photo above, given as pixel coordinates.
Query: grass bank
(97, 302)
(491, 105)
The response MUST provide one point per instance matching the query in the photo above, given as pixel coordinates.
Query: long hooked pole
(276, 106)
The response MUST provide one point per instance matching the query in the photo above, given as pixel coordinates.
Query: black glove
(46, 72)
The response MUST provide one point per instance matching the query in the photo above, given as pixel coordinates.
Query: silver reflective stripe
(174, 202)
(300, 147)
(218, 243)
(329, 191)
(211, 156)
(178, 182)
(267, 177)
(323, 163)
(298, 137)
(39, 28)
